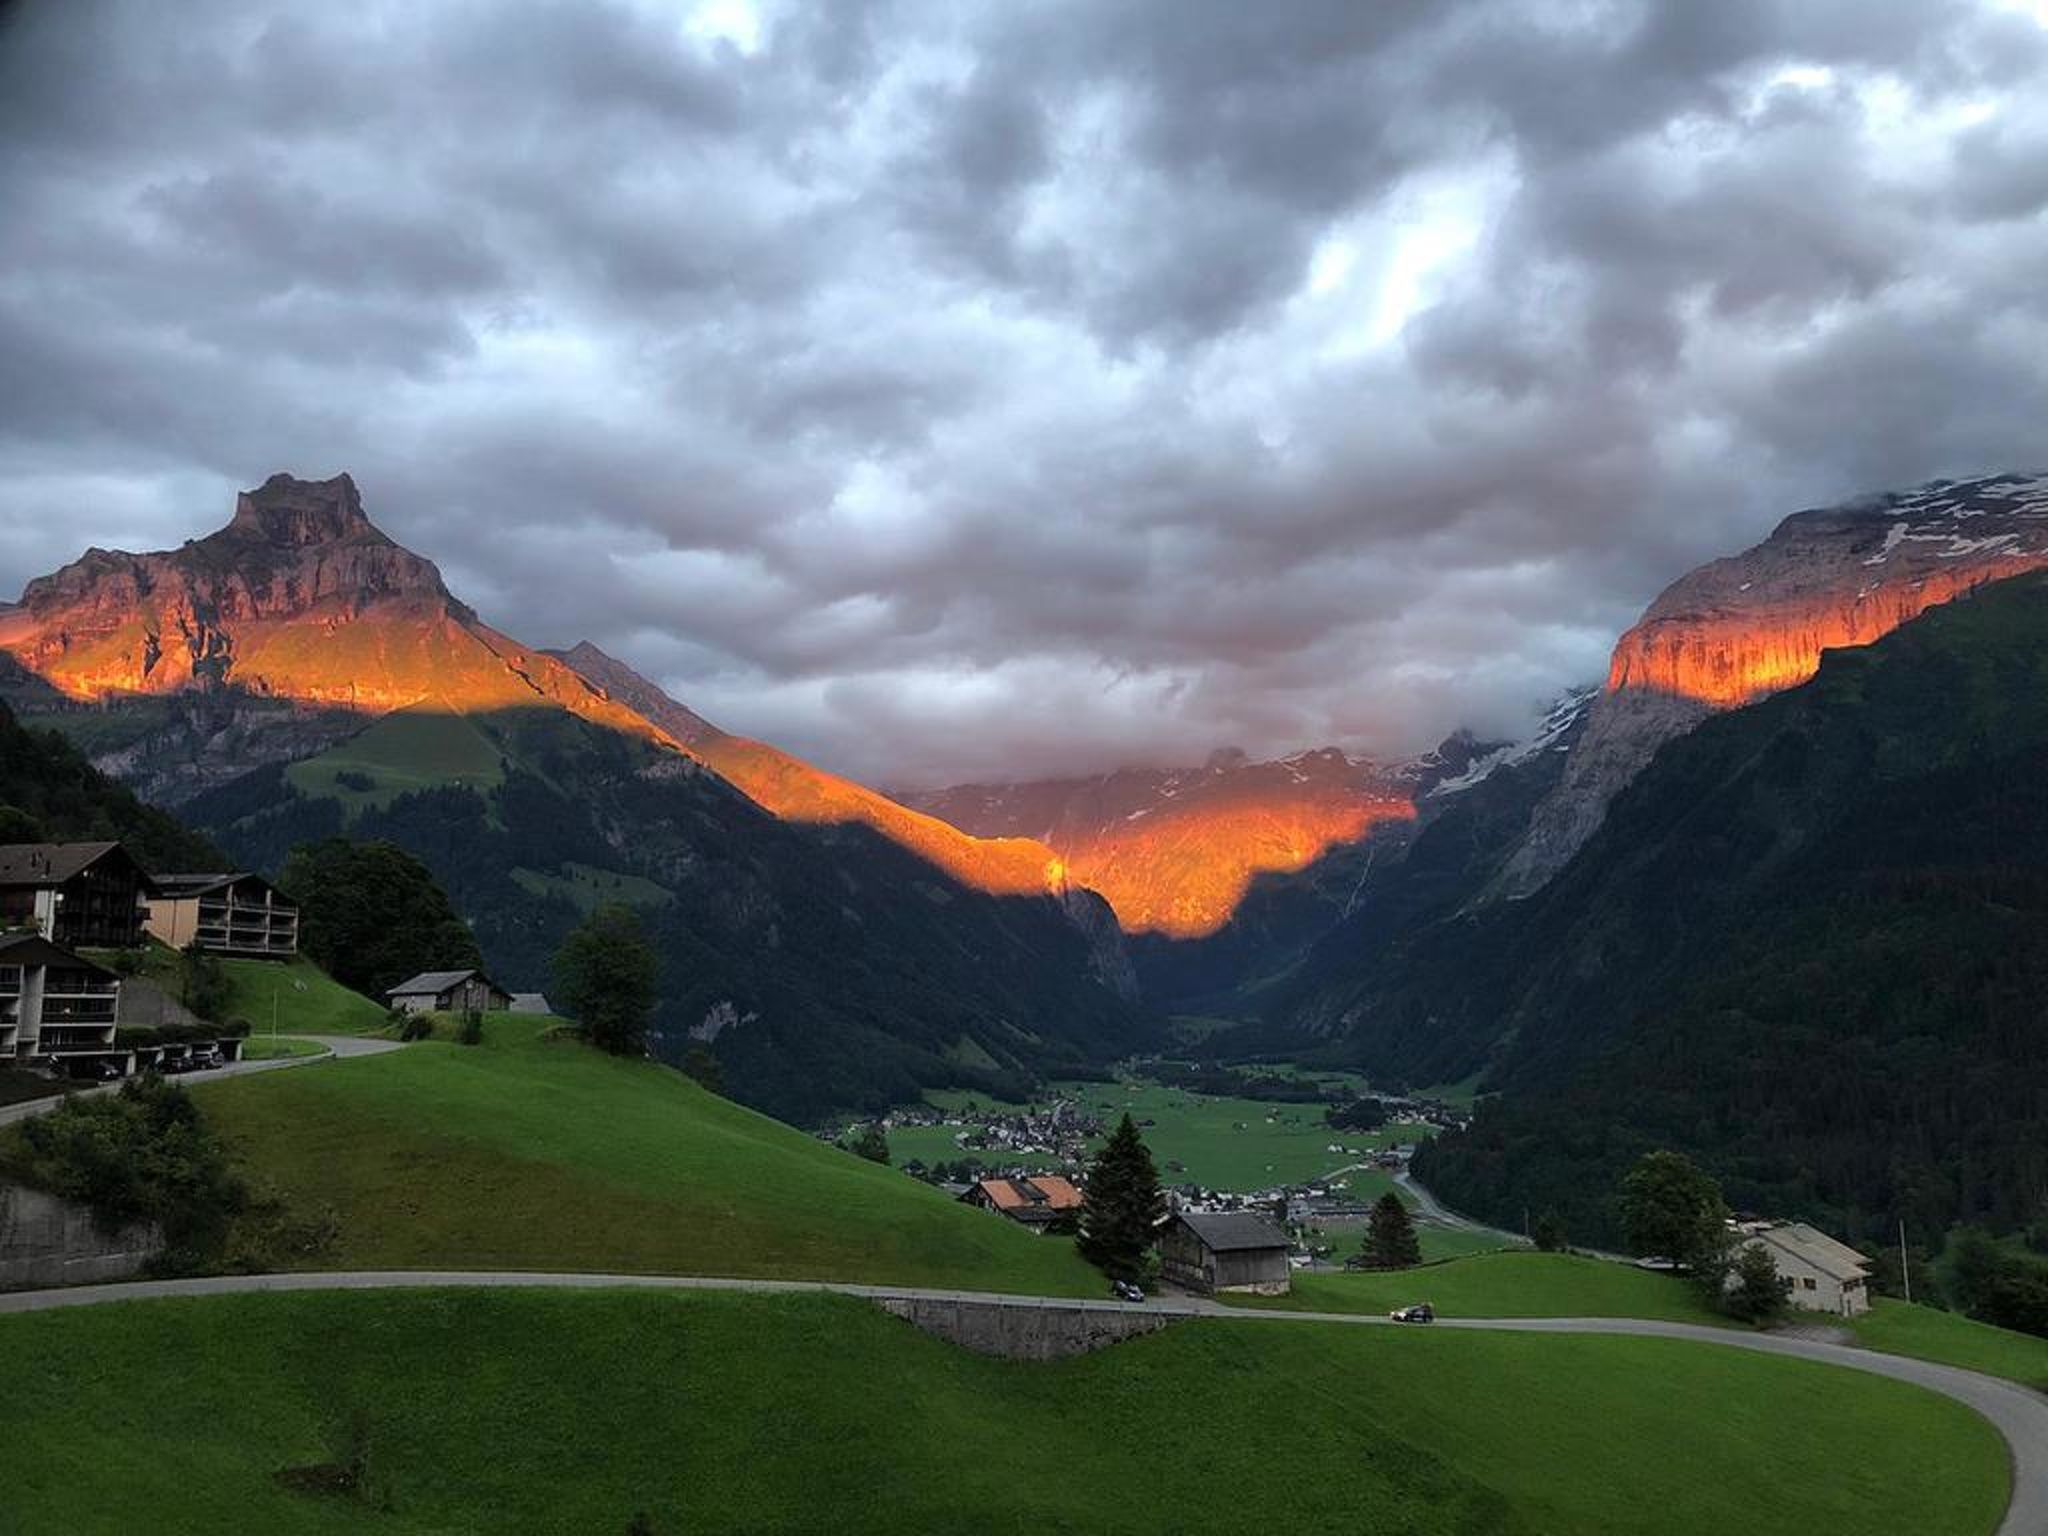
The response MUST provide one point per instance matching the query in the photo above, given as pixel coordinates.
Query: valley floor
(439, 1411)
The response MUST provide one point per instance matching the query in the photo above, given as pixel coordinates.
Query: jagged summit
(294, 513)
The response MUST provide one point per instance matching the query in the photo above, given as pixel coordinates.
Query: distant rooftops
(176, 886)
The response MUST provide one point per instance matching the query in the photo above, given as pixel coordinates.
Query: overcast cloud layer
(985, 390)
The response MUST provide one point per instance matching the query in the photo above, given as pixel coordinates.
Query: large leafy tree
(1124, 1203)
(1390, 1240)
(371, 915)
(606, 977)
(1671, 1208)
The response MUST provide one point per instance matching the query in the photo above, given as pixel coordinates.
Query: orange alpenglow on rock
(1738, 629)
(1174, 853)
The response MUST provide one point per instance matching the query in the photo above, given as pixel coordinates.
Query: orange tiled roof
(1044, 1191)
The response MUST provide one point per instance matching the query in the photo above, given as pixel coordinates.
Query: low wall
(45, 1241)
(1023, 1330)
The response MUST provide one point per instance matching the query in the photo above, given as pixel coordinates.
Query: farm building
(1224, 1251)
(1821, 1274)
(450, 992)
(1037, 1202)
(74, 893)
(228, 914)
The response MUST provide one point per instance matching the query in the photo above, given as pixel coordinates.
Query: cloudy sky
(948, 390)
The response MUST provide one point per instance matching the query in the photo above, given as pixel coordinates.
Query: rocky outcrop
(1739, 629)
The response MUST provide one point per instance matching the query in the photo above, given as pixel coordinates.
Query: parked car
(205, 1056)
(93, 1069)
(1125, 1291)
(1421, 1312)
(171, 1065)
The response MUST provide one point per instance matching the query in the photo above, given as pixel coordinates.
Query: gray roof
(47, 863)
(433, 983)
(1228, 1231)
(201, 885)
(34, 949)
(530, 1002)
(1811, 1246)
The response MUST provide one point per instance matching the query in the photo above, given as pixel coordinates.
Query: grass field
(406, 750)
(545, 1413)
(1514, 1284)
(590, 887)
(531, 1153)
(1900, 1329)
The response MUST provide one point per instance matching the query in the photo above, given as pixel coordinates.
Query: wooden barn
(1210, 1251)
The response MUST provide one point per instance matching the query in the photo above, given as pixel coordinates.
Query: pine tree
(1123, 1204)
(1548, 1233)
(1390, 1240)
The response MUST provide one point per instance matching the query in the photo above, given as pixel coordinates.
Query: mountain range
(297, 674)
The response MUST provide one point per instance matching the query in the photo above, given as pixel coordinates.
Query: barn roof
(1230, 1231)
(434, 983)
(1836, 1260)
(175, 886)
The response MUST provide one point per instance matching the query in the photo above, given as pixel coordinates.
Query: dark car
(204, 1056)
(93, 1069)
(171, 1065)
(1421, 1312)
(1125, 1291)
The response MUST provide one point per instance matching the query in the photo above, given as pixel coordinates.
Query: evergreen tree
(1390, 1240)
(1549, 1233)
(1123, 1204)
(202, 982)
(607, 973)
(1757, 1294)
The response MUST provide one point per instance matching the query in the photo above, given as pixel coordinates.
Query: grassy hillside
(1922, 1332)
(306, 999)
(406, 750)
(537, 1153)
(550, 1413)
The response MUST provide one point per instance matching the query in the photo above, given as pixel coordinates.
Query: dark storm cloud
(981, 390)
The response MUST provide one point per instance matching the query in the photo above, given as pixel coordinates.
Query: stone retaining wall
(1024, 1330)
(45, 1241)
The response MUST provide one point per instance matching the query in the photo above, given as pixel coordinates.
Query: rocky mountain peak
(293, 513)
(1737, 630)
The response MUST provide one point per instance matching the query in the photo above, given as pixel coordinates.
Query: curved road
(2017, 1414)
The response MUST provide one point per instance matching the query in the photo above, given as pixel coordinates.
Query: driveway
(2019, 1415)
(335, 1045)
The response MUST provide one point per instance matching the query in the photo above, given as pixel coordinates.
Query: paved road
(335, 1045)
(2019, 1415)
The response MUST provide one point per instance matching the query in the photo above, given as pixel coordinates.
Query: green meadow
(409, 1413)
(531, 1151)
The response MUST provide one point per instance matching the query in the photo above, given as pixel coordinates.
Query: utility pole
(1905, 1264)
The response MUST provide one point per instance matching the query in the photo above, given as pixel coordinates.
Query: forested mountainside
(49, 792)
(1808, 945)
(827, 967)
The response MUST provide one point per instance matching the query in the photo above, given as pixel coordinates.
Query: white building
(1821, 1274)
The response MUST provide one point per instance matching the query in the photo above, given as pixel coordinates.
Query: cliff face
(1174, 853)
(1737, 630)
